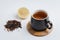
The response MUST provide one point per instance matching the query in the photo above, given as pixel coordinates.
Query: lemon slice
(23, 12)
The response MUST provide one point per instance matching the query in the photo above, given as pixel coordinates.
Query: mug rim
(40, 19)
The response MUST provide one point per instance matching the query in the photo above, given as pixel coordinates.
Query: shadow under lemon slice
(23, 12)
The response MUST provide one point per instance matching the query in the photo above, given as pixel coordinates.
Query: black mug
(40, 21)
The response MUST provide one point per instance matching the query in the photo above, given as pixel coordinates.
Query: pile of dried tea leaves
(12, 25)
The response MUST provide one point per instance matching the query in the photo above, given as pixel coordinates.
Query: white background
(8, 11)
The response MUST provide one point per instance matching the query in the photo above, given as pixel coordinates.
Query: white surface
(8, 11)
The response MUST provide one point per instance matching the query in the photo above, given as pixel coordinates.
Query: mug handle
(49, 25)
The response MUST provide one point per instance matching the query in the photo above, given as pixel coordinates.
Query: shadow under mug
(40, 21)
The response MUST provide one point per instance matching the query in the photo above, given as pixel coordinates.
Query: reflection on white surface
(8, 9)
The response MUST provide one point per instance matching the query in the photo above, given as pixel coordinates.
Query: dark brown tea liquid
(40, 15)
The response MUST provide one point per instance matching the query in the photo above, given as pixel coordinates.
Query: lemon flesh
(23, 13)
